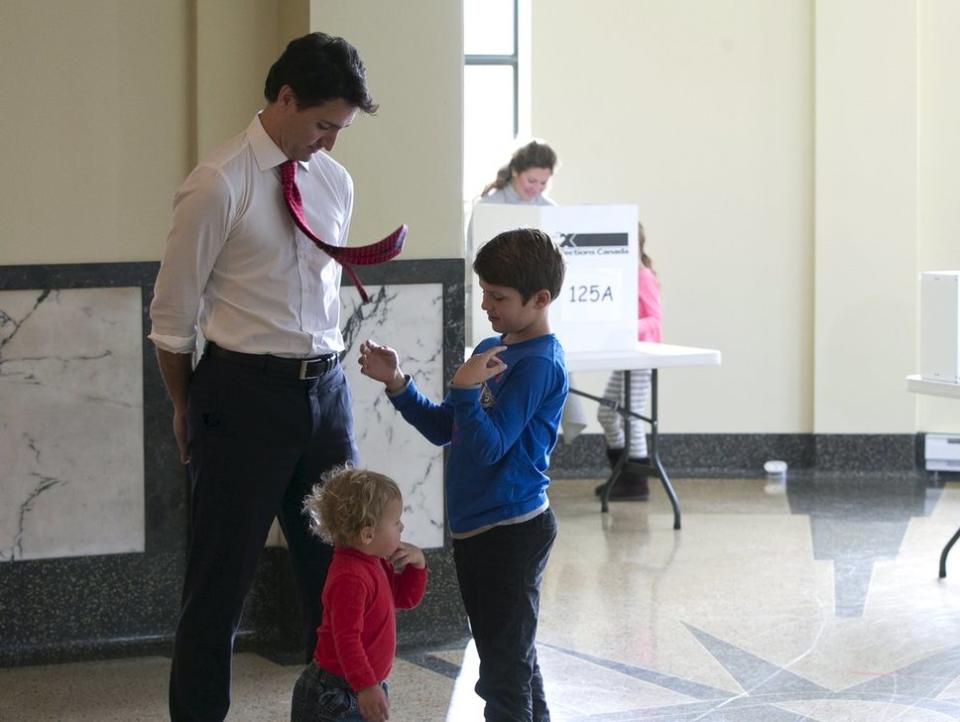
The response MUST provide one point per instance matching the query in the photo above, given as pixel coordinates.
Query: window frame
(512, 60)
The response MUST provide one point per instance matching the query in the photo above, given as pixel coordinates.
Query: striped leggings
(612, 421)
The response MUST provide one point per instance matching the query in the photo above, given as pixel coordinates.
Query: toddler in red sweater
(372, 574)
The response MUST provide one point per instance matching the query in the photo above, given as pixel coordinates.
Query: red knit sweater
(357, 638)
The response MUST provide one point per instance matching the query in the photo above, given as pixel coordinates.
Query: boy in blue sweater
(500, 418)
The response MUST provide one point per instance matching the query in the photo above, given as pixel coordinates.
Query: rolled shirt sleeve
(202, 209)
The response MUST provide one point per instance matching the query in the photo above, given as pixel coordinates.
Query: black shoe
(613, 457)
(630, 488)
(631, 484)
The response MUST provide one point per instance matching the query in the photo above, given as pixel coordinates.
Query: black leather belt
(306, 368)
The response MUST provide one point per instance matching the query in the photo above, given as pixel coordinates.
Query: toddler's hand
(373, 704)
(408, 554)
(381, 363)
(480, 367)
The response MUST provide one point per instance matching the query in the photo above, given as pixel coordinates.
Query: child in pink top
(632, 484)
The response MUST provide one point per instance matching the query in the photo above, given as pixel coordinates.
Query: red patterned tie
(379, 252)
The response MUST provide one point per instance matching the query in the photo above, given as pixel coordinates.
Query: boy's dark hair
(526, 260)
(319, 68)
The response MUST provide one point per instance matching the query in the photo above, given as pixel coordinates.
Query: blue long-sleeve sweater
(500, 434)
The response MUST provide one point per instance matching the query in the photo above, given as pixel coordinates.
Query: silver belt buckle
(303, 369)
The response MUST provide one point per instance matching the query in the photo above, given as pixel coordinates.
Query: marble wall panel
(409, 318)
(71, 423)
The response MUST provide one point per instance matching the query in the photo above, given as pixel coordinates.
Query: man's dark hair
(526, 260)
(319, 68)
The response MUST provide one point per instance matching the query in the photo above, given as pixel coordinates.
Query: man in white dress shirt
(267, 409)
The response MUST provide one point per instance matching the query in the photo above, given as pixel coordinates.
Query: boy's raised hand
(381, 363)
(480, 367)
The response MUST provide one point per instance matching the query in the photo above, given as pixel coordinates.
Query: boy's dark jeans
(500, 572)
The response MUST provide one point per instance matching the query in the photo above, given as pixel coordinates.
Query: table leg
(655, 467)
(655, 451)
(945, 552)
(610, 483)
(622, 461)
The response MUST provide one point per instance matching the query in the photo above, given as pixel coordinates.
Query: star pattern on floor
(768, 689)
(767, 686)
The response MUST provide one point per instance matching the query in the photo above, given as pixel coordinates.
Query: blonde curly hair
(346, 501)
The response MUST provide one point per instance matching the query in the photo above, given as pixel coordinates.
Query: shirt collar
(357, 554)
(267, 153)
(511, 193)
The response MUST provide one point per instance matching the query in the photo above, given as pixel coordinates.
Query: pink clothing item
(648, 306)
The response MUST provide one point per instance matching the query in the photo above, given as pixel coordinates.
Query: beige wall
(110, 102)
(939, 168)
(229, 84)
(700, 113)
(866, 216)
(406, 160)
(97, 114)
(793, 173)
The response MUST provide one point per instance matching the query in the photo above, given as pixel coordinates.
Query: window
(493, 114)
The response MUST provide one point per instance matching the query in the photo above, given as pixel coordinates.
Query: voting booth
(597, 307)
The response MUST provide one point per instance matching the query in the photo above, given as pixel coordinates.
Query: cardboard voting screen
(597, 307)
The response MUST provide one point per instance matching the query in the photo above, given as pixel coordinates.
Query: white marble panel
(408, 317)
(71, 423)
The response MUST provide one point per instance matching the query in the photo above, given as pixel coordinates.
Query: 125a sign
(592, 293)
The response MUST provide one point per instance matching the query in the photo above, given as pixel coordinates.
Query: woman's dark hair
(533, 155)
(319, 68)
(641, 242)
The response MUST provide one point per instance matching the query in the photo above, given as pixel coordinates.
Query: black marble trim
(437, 665)
(66, 609)
(744, 454)
(71, 607)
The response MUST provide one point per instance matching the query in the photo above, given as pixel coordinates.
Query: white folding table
(918, 385)
(652, 356)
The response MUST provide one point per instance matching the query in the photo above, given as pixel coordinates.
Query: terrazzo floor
(817, 599)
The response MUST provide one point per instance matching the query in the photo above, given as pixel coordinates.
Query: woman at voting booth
(523, 181)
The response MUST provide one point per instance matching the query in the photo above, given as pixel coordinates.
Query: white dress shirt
(237, 266)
